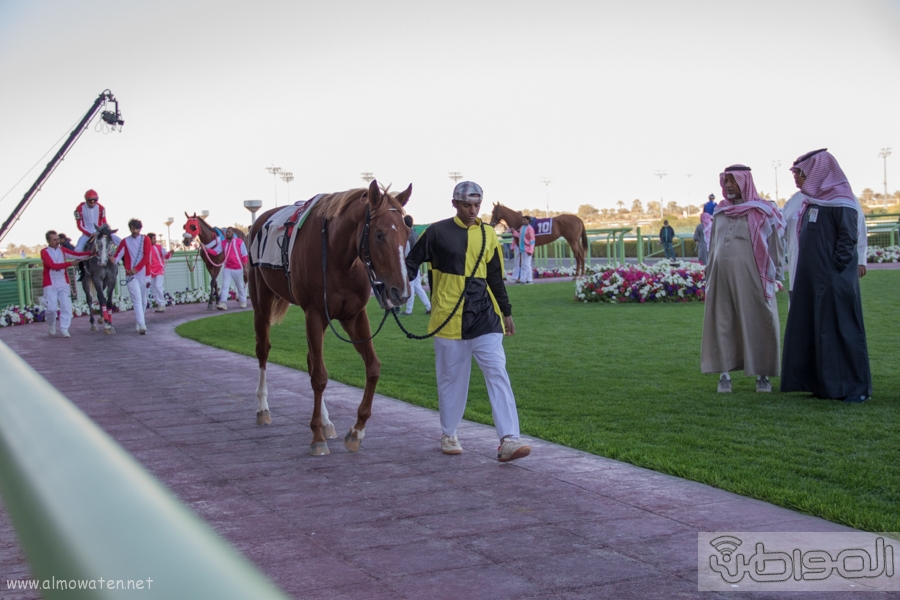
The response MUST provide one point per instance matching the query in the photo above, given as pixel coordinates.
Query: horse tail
(584, 240)
(280, 307)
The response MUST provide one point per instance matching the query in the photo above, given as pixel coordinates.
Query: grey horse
(100, 273)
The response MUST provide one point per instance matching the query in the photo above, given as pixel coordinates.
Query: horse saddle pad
(273, 242)
(542, 226)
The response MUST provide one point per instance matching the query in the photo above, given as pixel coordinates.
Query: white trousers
(522, 270)
(417, 290)
(453, 363)
(235, 276)
(159, 291)
(58, 298)
(139, 290)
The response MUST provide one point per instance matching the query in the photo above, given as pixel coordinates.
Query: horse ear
(113, 230)
(187, 215)
(374, 193)
(403, 197)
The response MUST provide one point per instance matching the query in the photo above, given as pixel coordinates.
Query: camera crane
(112, 118)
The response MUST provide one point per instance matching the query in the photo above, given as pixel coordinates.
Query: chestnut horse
(569, 227)
(197, 227)
(352, 243)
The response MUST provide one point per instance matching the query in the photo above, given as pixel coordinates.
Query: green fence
(21, 279)
(84, 509)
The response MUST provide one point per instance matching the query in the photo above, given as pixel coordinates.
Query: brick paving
(398, 519)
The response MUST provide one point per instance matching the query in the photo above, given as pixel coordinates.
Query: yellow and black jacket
(452, 250)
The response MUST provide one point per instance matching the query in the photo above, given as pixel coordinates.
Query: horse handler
(134, 251)
(233, 269)
(466, 260)
(158, 258)
(57, 292)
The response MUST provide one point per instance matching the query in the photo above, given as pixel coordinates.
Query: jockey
(89, 215)
(157, 271)
(57, 293)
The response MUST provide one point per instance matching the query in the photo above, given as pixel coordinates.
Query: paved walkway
(398, 519)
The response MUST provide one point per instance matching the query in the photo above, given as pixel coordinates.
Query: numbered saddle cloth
(542, 226)
(272, 244)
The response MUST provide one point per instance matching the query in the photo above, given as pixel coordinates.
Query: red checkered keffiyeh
(825, 183)
(762, 216)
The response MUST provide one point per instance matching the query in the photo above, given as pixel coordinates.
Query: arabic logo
(811, 565)
(726, 545)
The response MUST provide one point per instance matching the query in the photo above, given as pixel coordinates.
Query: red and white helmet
(91, 195)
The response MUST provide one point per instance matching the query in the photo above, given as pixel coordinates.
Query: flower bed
(22, 315)
(876, 254)
(662, 282)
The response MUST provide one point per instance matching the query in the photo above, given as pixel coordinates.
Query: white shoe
(511, 449)
(243, 305)
(64, 333)
(222, 306)
(724, 385)
(52, 330)
(763, 384)
(160, 309)
(142, 330)
(450, 445)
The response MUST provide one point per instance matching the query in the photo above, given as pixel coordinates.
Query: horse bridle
(364, 256)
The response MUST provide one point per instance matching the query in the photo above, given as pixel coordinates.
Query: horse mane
(333, 205)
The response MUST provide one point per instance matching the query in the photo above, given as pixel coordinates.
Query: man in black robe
(825, 349)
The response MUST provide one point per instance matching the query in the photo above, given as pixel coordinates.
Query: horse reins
(459, 302)
(366, 259)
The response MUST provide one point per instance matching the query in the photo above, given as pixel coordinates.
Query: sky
(595, 96)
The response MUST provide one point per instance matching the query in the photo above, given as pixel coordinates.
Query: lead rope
(413, 336)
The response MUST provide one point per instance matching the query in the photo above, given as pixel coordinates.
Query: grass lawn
(624, 381)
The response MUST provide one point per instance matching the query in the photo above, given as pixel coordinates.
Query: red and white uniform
(233, 270)
(158, 258)
(135, 252)
(88, 220)
(57, 294)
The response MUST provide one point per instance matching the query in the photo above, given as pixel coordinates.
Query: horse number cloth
(542, 226)
(275, 239)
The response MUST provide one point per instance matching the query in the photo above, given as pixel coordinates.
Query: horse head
(495, 214)
(192, 228)
(382, 245)
(102, 245)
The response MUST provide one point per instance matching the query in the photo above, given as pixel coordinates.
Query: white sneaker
(724, 385)
(142, 330)
(64, 333)
(450, 445)
(222, 306)
(160, 309)
(763, 384)
(511, 449)
(243, 305)
(52, 330)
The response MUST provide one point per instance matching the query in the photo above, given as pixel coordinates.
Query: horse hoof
(94, 328)
(354, 439)
(329, 432)
(109, 331)
(319, 449)
(263, 418)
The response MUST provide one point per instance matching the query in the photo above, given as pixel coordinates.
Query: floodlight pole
(455, 176)
(660, 174)
(367, 176)
(287, 177)
(275, 171)
(885, 152)
(547, 181)
(775, 165)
